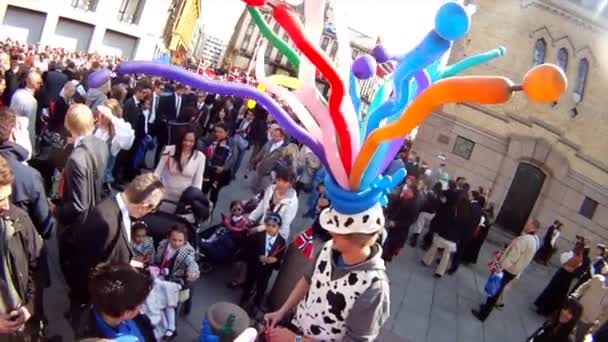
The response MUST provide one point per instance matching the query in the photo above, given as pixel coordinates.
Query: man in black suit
(107, 237)
(170, 109)
(54, 80)
(81, 184)
(132, 112)
(263, 252)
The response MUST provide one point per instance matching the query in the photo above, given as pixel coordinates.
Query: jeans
(109, 177)
(239, 161)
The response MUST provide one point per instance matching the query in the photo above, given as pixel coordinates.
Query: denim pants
(109, 178)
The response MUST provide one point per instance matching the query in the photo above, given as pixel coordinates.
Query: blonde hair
(79, 120)
(115, 107)
(143, 189)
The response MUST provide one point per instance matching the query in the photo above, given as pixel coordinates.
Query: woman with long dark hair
(556, 292)
(559, 327)
(471, 252)
(221, 156)
(181, 166)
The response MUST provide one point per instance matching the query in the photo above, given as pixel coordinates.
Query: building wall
(185, 25)
(212, 49)
(58, 23)
(571, 151)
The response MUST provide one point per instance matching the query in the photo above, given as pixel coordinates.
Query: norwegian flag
(387, 68)
(202, 67)
(305, 243)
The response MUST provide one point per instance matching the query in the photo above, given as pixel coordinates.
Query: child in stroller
(222, 241)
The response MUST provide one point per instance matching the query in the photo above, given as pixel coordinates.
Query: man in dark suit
(81, 184)
(107, 237)
(263, 252)
(170, 109)
(132, 112)
(54, 80)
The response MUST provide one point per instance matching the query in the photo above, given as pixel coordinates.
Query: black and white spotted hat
(366, 222)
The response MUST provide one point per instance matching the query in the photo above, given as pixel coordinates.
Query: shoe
(169, 335)
(451, 271)
(478, 315)
(499, 306)
(414, 240)
(423, 264)
(234, 284)
(437, 275)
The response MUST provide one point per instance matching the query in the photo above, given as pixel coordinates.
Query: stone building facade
(543, 161)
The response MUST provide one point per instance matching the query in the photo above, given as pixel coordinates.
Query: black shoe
(414, 240)
(478, 315)
(499, 306)
(451, 271)
(437, 275)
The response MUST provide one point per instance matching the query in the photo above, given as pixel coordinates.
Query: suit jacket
(103, 238)
(167, 110)
(133, 115)
(265, 160)
(256, 246)
(54, 81)
(82, 181)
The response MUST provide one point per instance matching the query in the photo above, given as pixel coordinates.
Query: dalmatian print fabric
(323, 312)
(368, 221)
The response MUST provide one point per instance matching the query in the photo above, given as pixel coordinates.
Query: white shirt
(77, 141)
(269, 243)
(152, 116)
(126, 219)
(275, 146)
(178, 105)
(135, 100)
(147, 114)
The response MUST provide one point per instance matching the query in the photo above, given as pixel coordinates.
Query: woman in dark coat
(221, 155)
(471, 253)
(561, 325)
(258, 130)
(556, 292)
(401, 212)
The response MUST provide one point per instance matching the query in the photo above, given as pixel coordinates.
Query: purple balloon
(227, 88)
(99, 78)
(364, 67)
(423, 81)
(381, 54)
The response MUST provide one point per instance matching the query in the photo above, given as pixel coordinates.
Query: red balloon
(294, 28)
(255, 3)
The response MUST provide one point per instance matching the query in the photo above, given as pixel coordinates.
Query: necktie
(268, 246)
(177, 106)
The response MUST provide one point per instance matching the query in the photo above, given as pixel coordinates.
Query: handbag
(493, 284)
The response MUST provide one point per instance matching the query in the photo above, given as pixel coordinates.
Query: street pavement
(422, 308)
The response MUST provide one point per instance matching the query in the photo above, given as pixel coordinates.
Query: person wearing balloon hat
(346, 295)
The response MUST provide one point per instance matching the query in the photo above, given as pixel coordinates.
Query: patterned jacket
(146, 249)
(184, 263)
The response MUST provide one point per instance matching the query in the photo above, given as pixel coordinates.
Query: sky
(400, 23)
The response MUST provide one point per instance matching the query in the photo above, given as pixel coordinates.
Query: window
(278, 57)
(539, 51)
(324, 43)
(268, 51)
(581, 79)
(354, 53)
(562, 59)
(87, 5)
(334, 50)
(588, 208)
(463, 147)
(276, 28)
(130, 11)
(250, 29)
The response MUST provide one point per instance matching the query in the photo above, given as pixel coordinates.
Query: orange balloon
(483, 90)
(545, 83)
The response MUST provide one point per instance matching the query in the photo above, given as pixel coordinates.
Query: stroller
(219, 244)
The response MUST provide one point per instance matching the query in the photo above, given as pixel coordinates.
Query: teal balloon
(472, 61)
(355, 94)
(382, 94)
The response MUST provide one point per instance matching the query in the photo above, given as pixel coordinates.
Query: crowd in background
(101, 160)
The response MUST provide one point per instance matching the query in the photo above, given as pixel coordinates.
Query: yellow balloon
(282, 80)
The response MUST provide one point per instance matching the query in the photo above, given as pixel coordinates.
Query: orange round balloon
(545, 83)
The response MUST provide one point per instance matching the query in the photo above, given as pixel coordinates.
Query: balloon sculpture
(356, 152)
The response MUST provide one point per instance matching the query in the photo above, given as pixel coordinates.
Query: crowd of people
(91, 166)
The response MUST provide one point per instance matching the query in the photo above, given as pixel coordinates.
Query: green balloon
(275, 40)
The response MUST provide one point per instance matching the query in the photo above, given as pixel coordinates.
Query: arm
(511, 255)
(580, 292)
(289, 213)
(34, 245)
(162, 163)
(70, 211)
(296, 295)
(40, 213)
(197, 182)
(370, 311)
(259, 210)
(229, 163)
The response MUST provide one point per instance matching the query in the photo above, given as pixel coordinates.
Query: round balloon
(364, 67)
(381, 54)
(545, 83)
(452, 21)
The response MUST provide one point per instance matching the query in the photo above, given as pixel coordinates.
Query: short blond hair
(115, 107)
(79, 120)
(143, 189)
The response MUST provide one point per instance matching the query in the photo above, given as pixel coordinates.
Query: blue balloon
(349, 202)
(381, 95)
(355, 94)
(452, 21)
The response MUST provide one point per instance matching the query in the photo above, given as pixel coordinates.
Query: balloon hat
(354, 151)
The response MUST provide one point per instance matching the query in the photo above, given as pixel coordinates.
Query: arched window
(562, 59)
(581, 79)
(540, 47)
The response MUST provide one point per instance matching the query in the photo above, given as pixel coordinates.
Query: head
(557, 224)
(118, 290)
(34, 81)
(437, 188)
(221, 114)
(79, 120)
(272, 224)
(452, 185)
(178, 236)
(187, 139)
(143, 195)
(115, 107)
(570, 314)
(236, 208)
(532, 226)
(345, 243)
(284, 179)
(8, 124)
(229, 104)
(119, 92)
(248, 114)
(139, 92)
(139, 231)
(158, 87)
(321, 188)
(69, 89)
(602, 251)
(277, 135)
(220, 131)
(180, 90)
(6, 180)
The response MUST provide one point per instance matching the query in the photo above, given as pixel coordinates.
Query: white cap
(366, 222)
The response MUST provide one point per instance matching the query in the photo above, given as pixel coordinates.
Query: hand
(271, 260)
(8, 323)
(273, 318)
(282, 334)
(190, 278)
(263, 259)
(219, 169)
(52, 206)
(323, 202)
